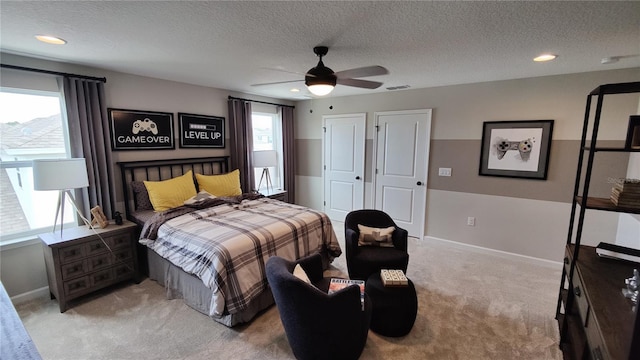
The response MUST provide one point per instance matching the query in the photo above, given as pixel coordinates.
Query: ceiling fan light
(320, 89)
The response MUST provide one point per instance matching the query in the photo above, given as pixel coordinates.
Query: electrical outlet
(471, 221)
(444, 171)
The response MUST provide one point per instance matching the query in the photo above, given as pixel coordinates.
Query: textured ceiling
(232, 45)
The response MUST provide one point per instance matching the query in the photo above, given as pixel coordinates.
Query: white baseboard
(505, 254)
(31, 295)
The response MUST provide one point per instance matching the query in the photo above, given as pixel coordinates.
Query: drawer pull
(577, 291)
(566, 260)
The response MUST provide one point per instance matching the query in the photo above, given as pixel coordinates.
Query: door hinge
(324, 167)
(377, 128)
(324, 128)
(376, 171)
(324, 203)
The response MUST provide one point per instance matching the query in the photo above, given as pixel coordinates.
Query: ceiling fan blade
(283, 70)
(276, 83)
(366, 84)
(362, 72)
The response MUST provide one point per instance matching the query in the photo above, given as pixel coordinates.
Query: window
(31, 127)
(267, 135)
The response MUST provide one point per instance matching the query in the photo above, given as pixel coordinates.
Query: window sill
(19, 242)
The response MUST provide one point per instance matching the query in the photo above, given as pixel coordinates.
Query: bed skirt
(181, 285)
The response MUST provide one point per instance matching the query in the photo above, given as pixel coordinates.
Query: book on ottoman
(393, 278)
(338, 284)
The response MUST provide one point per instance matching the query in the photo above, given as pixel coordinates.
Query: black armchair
(318, 325)
(362, 261)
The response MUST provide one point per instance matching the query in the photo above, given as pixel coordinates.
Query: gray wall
(520, 216)
(22, 265)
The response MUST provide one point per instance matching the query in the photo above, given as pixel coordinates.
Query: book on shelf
(617, 252)
(625, 198)
(631, 186)
(392, 277)
(338, 284)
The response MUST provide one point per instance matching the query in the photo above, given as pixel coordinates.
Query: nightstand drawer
(95, 247)
(76, 286)
(594, 339)
(101, 278)
(123, 255)
(73, 270)
(123, 271)
(72, 253)
(580, 297)
(99, 262)
(118, 241)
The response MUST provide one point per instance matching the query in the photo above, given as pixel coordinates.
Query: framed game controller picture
(201, 131)
(141, 130)
(518, 149)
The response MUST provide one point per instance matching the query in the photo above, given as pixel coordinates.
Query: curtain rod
(22, 68)
(261, 102)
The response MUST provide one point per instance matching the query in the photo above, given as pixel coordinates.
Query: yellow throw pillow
(375, 237)
(220, 185)
(167, 194)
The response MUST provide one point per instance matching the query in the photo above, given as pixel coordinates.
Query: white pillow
(375, 237)
(199, 197)
(299, 272)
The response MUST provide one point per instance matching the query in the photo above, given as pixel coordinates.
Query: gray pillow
(141, 196)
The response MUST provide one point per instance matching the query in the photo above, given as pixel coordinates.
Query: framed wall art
(141, 130)
(201, 131)
(518, 149)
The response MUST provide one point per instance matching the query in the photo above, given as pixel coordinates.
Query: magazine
(339, 284)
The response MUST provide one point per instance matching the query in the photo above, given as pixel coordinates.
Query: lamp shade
(59, 174)
(265, 158)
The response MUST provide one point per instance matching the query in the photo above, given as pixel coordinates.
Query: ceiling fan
(321, 80)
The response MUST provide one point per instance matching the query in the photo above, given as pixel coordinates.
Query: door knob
(357, 177)
(419, 183)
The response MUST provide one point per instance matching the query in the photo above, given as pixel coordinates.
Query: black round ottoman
(394, 308)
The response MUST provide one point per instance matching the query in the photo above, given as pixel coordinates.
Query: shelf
(606, 205)
(622, 88)
(612, 149)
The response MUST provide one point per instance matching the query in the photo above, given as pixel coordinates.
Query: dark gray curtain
(289, 153)
(241, 142)
(88, 122)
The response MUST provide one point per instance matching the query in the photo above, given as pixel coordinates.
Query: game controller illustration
(144, 125)
(523, 146)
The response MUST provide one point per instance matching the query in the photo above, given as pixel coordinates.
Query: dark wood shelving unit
(594, 318)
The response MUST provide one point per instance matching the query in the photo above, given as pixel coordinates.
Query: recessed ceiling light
(51, 39)
(545, 57)
(295, 90)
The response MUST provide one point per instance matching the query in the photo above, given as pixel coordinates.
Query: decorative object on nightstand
(265, 159)
(99, 219)
(63, 175)
(83, 260)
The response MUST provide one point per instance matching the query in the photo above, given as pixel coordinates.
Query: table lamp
(265, 159)
(63, 175)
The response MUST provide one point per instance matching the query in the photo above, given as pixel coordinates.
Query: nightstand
(79, 262)
(275, 194)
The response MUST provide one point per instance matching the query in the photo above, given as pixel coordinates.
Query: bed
(213, 253)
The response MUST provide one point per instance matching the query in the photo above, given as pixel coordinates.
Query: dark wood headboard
(157, 170)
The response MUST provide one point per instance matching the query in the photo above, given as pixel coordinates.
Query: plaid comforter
(227, 246)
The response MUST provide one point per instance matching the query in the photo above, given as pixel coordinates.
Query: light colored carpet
(472, 305)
